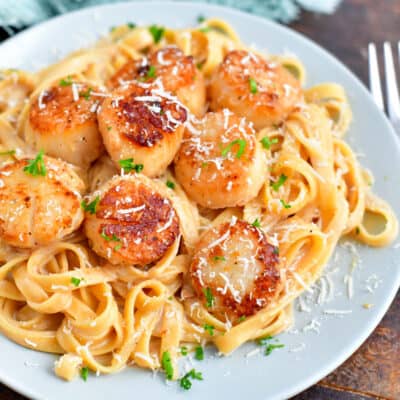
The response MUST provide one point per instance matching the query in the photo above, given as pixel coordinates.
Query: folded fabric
(22, 13)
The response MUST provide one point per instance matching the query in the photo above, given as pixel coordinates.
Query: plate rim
(374, 320)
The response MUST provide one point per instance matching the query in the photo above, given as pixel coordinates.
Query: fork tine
(374, 77)
(393, 102)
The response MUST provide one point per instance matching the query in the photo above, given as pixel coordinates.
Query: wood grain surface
(373, 372)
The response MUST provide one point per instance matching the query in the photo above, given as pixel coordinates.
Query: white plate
(307, 356)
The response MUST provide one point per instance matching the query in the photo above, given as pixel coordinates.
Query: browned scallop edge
(142, 126)
(143, 224)
(266, 285)
(56, 100)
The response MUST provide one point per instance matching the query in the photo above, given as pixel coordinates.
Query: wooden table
(373, 372)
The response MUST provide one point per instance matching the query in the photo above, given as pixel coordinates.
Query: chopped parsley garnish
(112, 238)
(131, 25)
(157, 32)
(66, 82)
(219, 258)
(7, 153)
(209, 297)
(166, 364)
(242, 146)
(241, 319)
(357, 230)
(36, 167)
(151, 73)
(204, 164)
(86, 93)
(281, 180)
(128, 165)
(113, 28)
(264, 340)
(186, 382)
(76, 281)
(284, 204)
(84, 373)
(205, 29)
(199, 353)
(256, 223)
(118, 247)
(209, 328)
(267, 142)
(90, 207)
(109, 128)
(184, 350)
(199, 65)
(170, 184)
(269, 347)
(201, 18)
(253, 85)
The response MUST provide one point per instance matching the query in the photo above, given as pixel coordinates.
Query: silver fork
(392, 91)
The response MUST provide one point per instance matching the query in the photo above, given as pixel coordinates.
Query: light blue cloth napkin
(20, 13)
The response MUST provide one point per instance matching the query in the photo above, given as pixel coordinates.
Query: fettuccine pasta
(166, 189)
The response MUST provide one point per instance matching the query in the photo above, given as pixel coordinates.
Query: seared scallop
(176, 73)
(62, 121)
(131, 221)
(221, 163)
(143, 123)
(40, 201)
(263, 91)
(235, 270)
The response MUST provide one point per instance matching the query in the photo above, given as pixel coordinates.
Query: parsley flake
(242, 147)
(186, 383)
(128, 165)
(241, 319)
(253, 85)
(357, 230)
(281, 180)
(90, 207)
(276, 250)
(109, 128)
(131, 25)
(76, 281)
(184, 350)
(219, 258)
(157, 32)
(170, 184)
(112, 238)
(36, 167)
(167, 365)
(201, 18)
(209, 328)
(267, 142)
(86, 94)
(66, 82)
(270, 347)
(118, 247)
(284, 204)
(84, 373)
(199, 353)
(209, 297)
(256, 223)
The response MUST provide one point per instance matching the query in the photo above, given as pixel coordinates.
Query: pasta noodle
(61, 297)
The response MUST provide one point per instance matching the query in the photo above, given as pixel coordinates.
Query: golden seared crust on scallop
(221, 163)
(134, 223)
(142, 122)
(260, 90)
(237, 268)
(176, 73)
(62, 121)
(38, 210)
